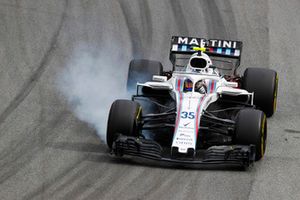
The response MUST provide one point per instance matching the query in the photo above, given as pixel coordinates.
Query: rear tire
(251, 128)
(122, 119)
(142, 71)
(264, 83)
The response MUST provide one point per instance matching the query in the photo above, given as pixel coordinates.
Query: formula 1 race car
(201, 112)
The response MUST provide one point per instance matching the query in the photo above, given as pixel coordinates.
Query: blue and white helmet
(199, 62)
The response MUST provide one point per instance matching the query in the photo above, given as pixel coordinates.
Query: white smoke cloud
(91, 82)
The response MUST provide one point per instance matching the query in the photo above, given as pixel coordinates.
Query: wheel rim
(137, 119)
(263, 136)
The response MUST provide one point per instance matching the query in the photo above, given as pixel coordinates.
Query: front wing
(232, 155)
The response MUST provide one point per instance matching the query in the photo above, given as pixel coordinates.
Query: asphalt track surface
(47, 153)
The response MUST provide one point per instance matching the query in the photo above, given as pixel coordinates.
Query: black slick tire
(264, 83)
(142, 71)
(251, 128)
(123, 118)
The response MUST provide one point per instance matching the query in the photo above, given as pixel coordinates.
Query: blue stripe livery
(228, 52)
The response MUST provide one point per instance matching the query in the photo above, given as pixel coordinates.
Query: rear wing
(212, 47)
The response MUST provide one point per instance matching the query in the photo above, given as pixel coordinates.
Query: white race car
(201, 112)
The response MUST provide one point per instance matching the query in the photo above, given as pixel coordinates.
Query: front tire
(123, 119)
(251, 128)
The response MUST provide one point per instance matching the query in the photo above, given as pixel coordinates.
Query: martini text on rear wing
(212, 47)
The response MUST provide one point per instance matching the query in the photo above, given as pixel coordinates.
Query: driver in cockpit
(201, 63)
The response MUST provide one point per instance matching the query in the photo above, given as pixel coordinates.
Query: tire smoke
(91, 82)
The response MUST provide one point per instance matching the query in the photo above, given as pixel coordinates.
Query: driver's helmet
(188, 85)
(199, 62)
(201, 87)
